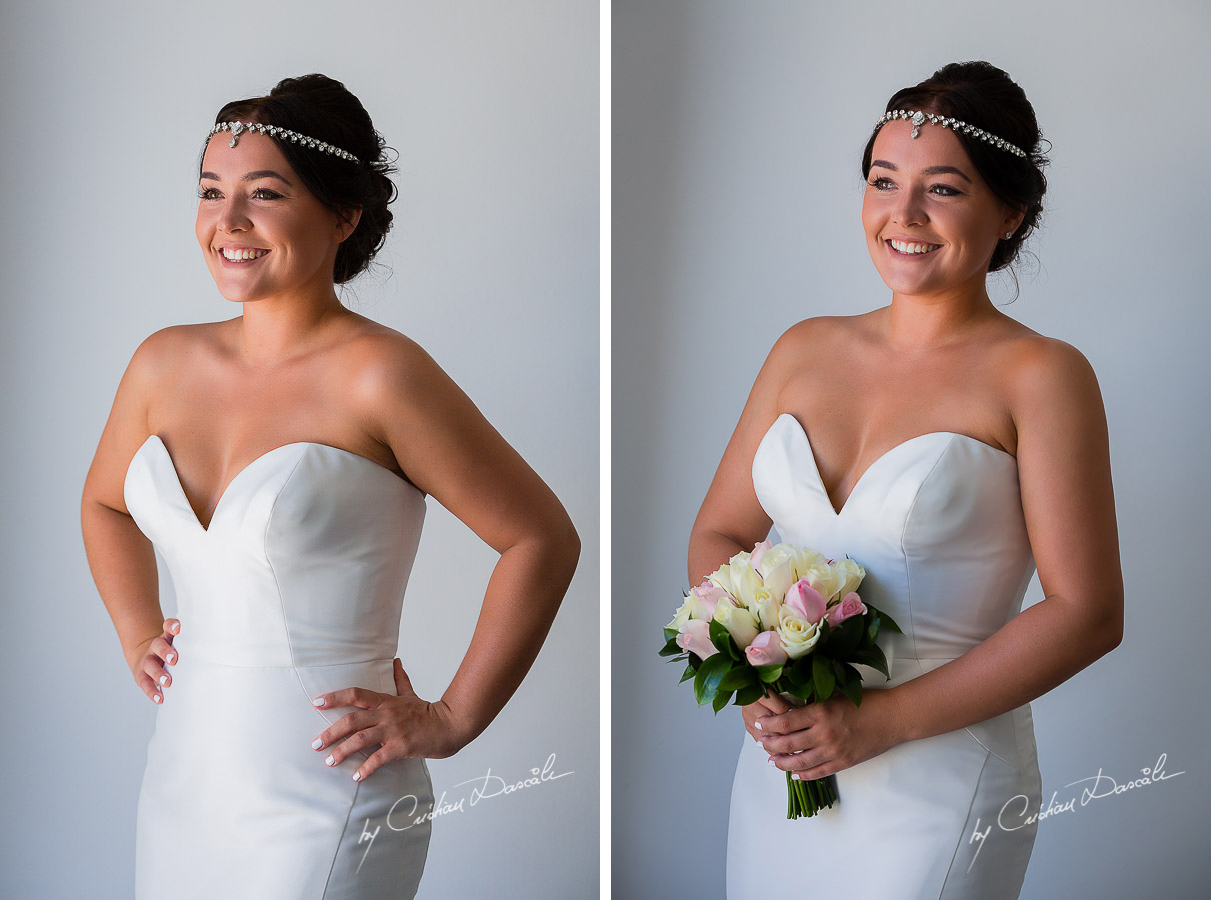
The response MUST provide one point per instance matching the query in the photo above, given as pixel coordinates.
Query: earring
(1008, 235)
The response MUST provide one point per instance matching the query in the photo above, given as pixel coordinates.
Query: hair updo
(984, 96)
(322, 108)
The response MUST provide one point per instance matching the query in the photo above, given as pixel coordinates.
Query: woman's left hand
(405, 725)
(820, 739)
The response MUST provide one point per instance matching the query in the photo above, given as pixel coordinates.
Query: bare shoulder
(1049, 372)
(807, 336)
(382, 361)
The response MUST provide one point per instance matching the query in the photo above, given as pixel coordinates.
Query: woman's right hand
(149, 659)
(763, 706)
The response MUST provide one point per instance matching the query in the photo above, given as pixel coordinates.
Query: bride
(950, 450)
(280, 461)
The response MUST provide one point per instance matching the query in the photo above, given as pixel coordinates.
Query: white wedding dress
(937, 523)
(295, 589)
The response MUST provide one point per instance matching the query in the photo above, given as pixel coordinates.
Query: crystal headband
(238, 128)
(918, 118)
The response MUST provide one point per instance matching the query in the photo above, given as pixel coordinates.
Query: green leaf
(846, 637)
(670, 634)
(750, 694)
(885, 620)
(852, 690)
(670, 647)
(823, 676)
(710, 673)
(688, 673)
(872, 632)
(800, 671)
(722, 639)
(873, 657)
(738, 677)
(768, 674)
(720, 700)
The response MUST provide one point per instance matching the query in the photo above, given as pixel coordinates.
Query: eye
(204, 193)
(875, 182)
(946, 187)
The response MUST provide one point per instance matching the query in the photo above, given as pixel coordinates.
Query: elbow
(562, 547)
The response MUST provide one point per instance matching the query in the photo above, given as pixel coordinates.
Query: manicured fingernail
(771, 760)
(163, 679)
(156, 698)
(318, 701)
(315, 745)
(328, 761)
(796, 776)
(357, 776)
(757, 725)
(170, 657)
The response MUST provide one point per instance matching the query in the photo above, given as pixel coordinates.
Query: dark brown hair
(982, 95)
(322, 108)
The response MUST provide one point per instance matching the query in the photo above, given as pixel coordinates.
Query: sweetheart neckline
(857, 484)
(205, 529)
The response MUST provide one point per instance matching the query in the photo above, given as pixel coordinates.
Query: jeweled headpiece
(918, 118)
(238, 128)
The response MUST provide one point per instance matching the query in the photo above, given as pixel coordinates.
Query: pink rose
(758, 552)
(710, 594)
(766, 650)
(695, 636)
(850, 605)
(806, 601)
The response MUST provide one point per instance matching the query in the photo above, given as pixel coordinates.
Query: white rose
(779, 578)
(765, 608)
(824, 578)
(739, 622)
(798, 635)
(722, 578)
(747, 582)
(806, 559)
(776, 556)
(682, 615)
(851, 574)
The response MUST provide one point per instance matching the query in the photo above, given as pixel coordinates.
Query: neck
(274, 330)
(924, 322)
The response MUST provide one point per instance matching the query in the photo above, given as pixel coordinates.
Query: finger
(343, 727)
(153, 668)
(342, 751)
(378, 758)
(148, 686)
(172, 626)
(354, 696)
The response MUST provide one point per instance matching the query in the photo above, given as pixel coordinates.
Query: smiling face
(924, 194)
(250, 199)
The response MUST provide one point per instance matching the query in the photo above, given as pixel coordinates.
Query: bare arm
(121, 558)
(1068, 501)
(449, 450)
(731, 518)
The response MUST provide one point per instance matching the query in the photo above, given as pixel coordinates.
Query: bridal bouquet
(781, 618)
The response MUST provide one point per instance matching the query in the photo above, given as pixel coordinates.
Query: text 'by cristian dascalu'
(403, 813)
(1013, 814)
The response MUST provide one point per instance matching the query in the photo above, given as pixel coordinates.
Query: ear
(1013, 219)
(346, 223)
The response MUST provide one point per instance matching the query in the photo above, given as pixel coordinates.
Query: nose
(910, 207)
(232, 215)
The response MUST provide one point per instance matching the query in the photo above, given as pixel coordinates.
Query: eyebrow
(932, 170)
(252, 176)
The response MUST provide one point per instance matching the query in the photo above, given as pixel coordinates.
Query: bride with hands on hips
(940, 357)
(297, 365)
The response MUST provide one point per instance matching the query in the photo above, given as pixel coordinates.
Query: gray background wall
(738, 134)
(492, 266)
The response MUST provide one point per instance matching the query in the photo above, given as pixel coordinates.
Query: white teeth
(234, 255)
(913, 248)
